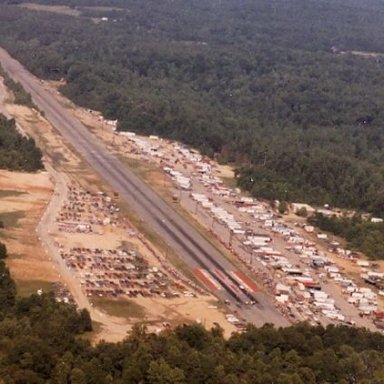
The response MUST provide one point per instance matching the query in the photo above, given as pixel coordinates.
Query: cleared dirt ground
(23, 198)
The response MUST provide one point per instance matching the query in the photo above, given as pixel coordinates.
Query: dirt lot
(23, 199)
(202, 310)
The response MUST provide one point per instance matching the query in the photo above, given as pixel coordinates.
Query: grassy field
(10, 219)
(58, 159)
(90, 336)
(62, 9)
(119, 308)
(103, 8)
(9, 192)
(230, 182)
(27, 287)
(65, 10)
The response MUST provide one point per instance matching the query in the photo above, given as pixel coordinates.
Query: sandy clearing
(28, 260)
(178, 311)
(56, 150)
(61, 9)
(225, 171)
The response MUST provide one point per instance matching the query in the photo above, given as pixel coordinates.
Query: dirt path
(3, 97)
(113, 328)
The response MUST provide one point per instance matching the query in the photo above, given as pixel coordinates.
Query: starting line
(245, 281)
(207, 279)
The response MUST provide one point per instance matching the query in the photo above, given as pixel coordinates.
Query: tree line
(34, 330)
(361, 235)
(259, 84)
(42, 342)
(21, 96)
(17, 153)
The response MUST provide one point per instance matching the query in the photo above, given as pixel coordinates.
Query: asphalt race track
(182, 237)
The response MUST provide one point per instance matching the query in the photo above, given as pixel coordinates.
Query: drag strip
(182, 237)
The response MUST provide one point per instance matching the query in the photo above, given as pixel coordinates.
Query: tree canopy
(41, 342)
(17, 153)
(274, 87)
(362, 235)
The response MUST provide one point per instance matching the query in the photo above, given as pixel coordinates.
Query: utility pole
(230, 237)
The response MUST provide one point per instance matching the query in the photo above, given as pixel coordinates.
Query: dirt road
(112, 327)
(3, 110)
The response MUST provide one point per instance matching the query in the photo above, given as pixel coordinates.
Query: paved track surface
(183, 238)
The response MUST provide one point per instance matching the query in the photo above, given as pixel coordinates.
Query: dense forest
(17, 153)
(275, 87)
(35, 332)
(42, 342)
